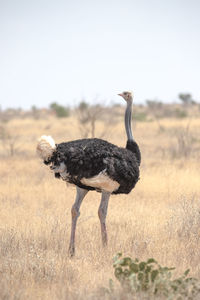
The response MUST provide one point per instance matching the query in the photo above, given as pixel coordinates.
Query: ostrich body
(94, 164)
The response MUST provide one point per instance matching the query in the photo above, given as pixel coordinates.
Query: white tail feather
(45, 147)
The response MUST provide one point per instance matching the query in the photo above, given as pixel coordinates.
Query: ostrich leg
(80, 194)
(102, 212)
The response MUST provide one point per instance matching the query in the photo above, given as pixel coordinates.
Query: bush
(10, 141)
(83, 106)
(185, 144)
(179, 113)
(60, 110)
(140, 116)
(148, 277)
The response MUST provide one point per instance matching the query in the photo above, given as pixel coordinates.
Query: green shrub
(83, 105)
(179, 113)
(150, 278)
(60, 110)
(140, 116)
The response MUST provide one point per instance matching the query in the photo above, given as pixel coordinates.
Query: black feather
(86, 158)
(133, 147)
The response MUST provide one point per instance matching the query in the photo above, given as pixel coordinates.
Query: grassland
(160, 218)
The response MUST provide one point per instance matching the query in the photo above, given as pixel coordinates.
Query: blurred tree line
(88, 115)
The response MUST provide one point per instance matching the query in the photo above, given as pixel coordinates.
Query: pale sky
(66, 51)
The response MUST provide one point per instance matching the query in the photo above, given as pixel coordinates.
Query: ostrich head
(128, 96)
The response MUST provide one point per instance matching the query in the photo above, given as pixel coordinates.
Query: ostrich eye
(125, 94)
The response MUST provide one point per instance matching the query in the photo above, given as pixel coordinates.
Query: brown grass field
(160, 218)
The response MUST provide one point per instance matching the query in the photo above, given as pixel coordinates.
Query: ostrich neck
(128, 118)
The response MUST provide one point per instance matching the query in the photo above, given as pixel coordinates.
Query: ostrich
(94, 164)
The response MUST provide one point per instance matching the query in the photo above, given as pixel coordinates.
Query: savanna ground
(160, 218)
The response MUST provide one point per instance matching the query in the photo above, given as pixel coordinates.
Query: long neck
(128, 118)
(131, 144)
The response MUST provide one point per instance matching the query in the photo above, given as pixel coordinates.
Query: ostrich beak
(120, 95)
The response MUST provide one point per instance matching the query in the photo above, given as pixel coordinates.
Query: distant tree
(35, 112)
(156, 109)
(33, 108)
(83, 105)
(153, 104)
(88, 115)
(60, 111)
(186, 98)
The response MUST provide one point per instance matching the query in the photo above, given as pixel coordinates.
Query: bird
(94, 164)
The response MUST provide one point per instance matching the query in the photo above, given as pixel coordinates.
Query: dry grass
(159, 219)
